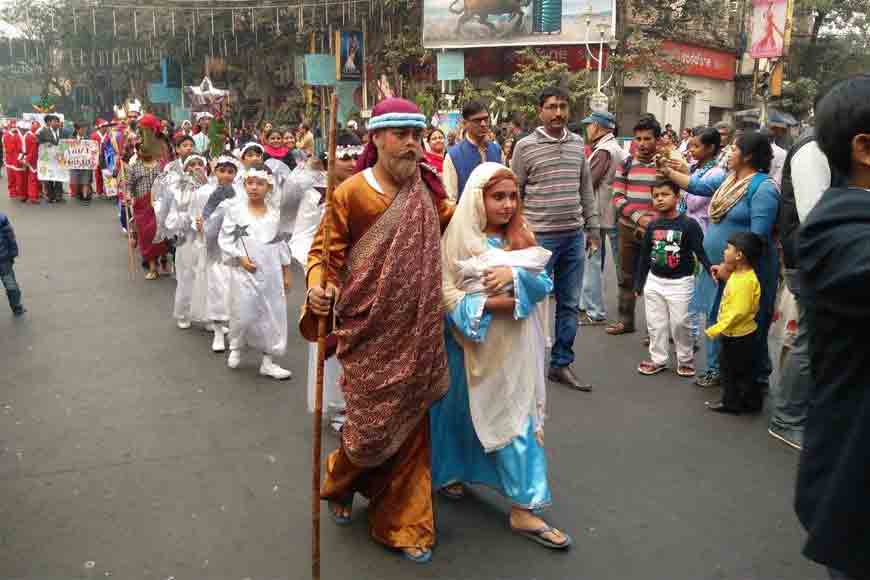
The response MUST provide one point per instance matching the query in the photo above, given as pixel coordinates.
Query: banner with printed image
(472, 23)
(56, 161)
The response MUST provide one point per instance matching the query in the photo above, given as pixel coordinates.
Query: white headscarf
(505, 372)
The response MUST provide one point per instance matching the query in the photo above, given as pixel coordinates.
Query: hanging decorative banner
(299, 69)
(349, 58)
(451, 65)
(448, 121)
(319, 70)
(56, 161)
(768, 28)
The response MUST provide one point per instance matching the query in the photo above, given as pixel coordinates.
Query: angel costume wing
(292, 191)
(162, 192)
(279, 169)
(181, 193)
(213, 217)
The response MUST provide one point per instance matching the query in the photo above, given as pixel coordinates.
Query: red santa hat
(100, 123)
(151, 123)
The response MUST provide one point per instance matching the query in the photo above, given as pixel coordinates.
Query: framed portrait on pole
(349, 55)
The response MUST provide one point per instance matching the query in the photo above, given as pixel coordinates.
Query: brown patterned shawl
(391, 329)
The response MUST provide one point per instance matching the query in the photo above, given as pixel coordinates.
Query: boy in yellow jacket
(736, 327)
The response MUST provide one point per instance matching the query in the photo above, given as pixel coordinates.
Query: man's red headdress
(399, 113)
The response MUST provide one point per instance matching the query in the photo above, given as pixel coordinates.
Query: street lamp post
(599, 100)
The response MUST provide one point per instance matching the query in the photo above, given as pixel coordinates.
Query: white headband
(227, 160)
(194, 158)
(251, 144)
(342, 150)
(258, 174)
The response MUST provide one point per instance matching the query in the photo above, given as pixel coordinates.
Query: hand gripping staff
(322, 326)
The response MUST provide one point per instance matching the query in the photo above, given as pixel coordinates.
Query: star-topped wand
(240, 232)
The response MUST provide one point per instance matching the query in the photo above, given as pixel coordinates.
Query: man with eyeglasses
(475, 149)
(560, 206)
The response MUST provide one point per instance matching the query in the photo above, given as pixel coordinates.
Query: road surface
(129, 450)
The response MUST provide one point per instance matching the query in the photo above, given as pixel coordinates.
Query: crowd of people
(446, 260)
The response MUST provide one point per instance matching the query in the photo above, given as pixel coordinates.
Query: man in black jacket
(833, 488)
(50, 135)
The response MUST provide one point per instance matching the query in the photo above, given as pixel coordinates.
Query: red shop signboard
(502, 62)
(697, 61)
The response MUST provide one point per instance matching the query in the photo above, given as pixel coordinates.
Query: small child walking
(736, 327)
(260, 274)
(666, 278)
(8, 253)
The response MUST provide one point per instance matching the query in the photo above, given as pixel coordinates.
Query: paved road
(127, 449)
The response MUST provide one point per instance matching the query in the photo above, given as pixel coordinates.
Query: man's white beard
(401, 170)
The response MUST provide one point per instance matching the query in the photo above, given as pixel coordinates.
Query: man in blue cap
(607, 156)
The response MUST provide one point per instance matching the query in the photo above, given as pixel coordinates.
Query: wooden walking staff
(322, 328)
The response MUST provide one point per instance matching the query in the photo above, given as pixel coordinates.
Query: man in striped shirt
(632, 197)
(559, 203)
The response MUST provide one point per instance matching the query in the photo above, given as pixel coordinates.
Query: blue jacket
(8, 245)
(466, 157)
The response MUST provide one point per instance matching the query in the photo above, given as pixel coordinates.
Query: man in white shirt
(806, 176)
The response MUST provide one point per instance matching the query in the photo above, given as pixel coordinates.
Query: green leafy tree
(641, 28)
(534, 73)
(829, 42)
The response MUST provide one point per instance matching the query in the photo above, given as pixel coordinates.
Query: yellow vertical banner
(776, 79)
(789, 23)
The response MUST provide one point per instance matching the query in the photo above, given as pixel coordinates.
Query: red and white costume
(31, 157)
(13, 150)
(101, 124)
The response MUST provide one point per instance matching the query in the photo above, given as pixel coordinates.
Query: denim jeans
(13, 292)
(705, 293)
(792, 395)
(592, 295)
(566, 269)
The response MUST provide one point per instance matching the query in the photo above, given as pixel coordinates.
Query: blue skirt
(518, 471)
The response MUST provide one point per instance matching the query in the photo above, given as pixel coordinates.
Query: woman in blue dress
(488, 429)
(747, 200)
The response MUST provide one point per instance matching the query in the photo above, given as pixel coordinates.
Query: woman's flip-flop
(538, 537)
(424, 558)
(340, 520)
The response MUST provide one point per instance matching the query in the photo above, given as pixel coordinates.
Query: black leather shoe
(566, 376)
(720, 407)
